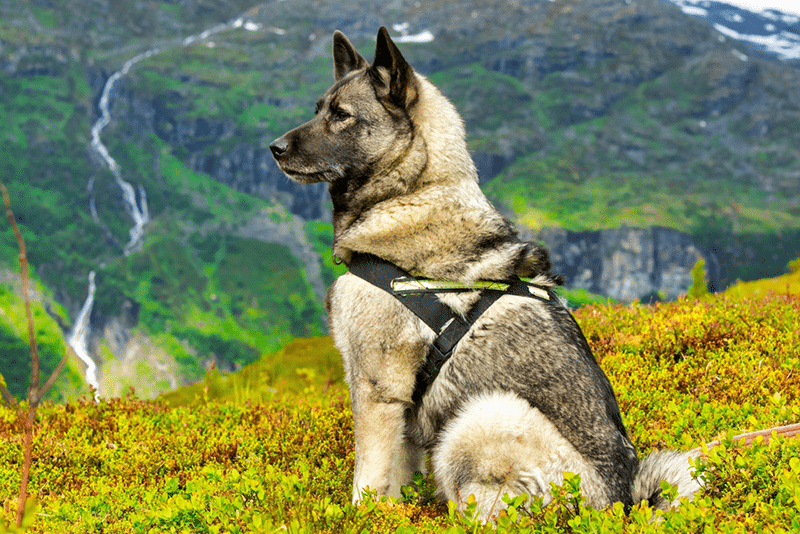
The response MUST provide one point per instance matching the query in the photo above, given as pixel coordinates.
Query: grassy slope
(586, 180)
(301, 366)
(15, 356)
(199, 292)
(684, 373)
(787, 283)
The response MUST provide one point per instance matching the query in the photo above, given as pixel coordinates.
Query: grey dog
(517, 399)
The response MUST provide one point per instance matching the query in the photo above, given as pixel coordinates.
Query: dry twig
(35, 394)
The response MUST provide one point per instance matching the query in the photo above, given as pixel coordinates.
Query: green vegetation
(200, 293)
(474, 89)
(303, 366)
(787, 284)
(15, 354)
(609, 124)
(699, 287)
(321, 234)
(231, 300)
(561, 190)
(581, 297)
(271, 447)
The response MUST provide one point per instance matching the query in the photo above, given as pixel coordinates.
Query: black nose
(279, 147)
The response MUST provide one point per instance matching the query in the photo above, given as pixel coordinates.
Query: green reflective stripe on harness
(419, 295)
(420, 285)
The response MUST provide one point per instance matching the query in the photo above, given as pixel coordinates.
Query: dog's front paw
(366, 493)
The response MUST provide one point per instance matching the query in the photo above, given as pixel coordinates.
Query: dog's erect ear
(392, 74)
(345, 57)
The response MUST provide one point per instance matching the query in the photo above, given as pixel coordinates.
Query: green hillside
(15, 357)
(271, 448)
(200, 290)
(303, 366)
(788, 283)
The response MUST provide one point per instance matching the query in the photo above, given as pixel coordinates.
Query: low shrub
(684, 372)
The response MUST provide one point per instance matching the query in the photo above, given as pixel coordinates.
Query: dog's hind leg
(499, 444)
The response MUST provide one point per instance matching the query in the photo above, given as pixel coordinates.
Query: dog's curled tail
(534, 263)
(670, 466)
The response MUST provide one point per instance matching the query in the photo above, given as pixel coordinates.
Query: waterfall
(79, 337)
(136, 209)
(135, 205)
(92, 204)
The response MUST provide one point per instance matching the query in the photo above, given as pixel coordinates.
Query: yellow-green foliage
(685, 373)
(689, 371)
(698, 289)
(303, 366)
(788, 283)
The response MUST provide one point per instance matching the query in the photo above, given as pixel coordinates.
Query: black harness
(418, 294)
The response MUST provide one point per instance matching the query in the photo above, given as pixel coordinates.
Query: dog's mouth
(304, 177)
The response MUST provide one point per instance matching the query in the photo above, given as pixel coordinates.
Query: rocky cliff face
(628, 263)
(216, 146)
(623, 263)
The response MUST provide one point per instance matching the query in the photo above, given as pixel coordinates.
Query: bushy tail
(671, 466)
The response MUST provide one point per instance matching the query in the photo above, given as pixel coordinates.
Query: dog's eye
(339, 114)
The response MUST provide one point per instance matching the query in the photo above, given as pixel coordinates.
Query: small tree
(793, 266)
(35, 393)
(699, 287)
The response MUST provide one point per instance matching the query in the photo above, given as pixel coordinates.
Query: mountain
(629, 137)
(768, 32)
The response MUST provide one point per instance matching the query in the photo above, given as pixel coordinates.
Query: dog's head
(361, 126)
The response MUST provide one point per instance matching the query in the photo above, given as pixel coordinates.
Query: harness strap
(419, 295)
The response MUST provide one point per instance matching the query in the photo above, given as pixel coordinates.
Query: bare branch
(52, 380)
(7, 396)
(33, 393)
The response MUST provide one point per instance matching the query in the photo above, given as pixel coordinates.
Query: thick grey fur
(522, 399)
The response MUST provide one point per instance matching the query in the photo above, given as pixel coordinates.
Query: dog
(519, 399)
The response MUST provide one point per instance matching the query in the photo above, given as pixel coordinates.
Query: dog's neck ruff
(418, 294)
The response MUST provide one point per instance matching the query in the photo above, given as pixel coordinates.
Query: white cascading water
(137, 210)
(79, 337)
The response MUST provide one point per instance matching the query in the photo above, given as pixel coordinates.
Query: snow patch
(784, 44)
(425, 36)
(422, 37)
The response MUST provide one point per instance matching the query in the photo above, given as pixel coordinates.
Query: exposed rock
(243, 165)
(133, 360)
(627, 263)
(490, 165)
(253, 170)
